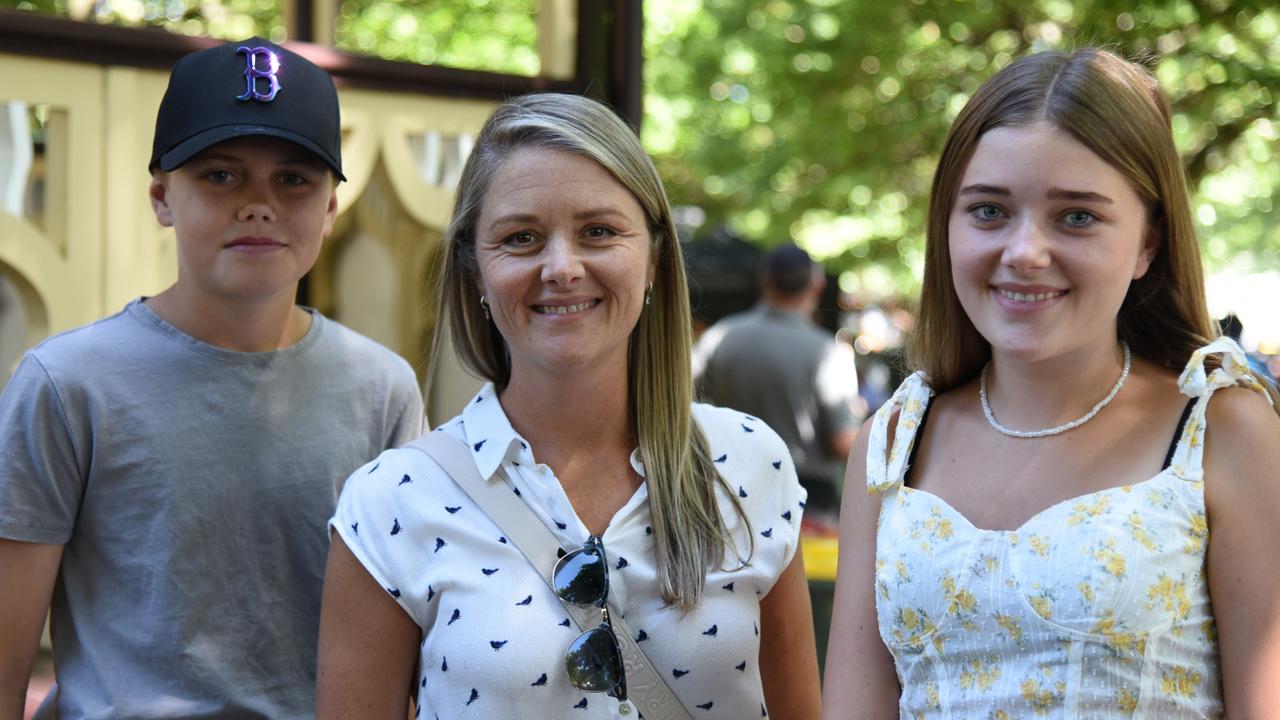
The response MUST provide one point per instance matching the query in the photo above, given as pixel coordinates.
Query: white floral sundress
(1097, 607)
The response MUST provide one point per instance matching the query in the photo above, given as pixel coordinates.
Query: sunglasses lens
(594, 661)
(581, 578)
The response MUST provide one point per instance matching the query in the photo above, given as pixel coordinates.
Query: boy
(166, 474)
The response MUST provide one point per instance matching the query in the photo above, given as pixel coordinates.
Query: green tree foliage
(494, 35)
(225, 19)
(821, 120)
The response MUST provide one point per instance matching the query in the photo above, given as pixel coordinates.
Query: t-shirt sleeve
(380, 522)
(42, 470)
(411, 421)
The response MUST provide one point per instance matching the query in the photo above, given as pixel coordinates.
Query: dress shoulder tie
(1197, 382)
(886, 466)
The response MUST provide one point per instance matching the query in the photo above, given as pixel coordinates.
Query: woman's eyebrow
(598, 212)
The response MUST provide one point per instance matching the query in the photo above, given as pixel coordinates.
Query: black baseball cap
(254, 87)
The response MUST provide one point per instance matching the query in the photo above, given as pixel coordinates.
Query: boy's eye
(1080, 219)
(219, 176)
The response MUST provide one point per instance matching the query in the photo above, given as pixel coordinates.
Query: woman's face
(1045, 238)
(564, 257)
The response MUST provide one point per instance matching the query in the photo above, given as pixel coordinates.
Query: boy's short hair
(246, 88)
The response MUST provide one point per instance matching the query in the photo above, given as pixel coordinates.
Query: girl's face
(1045, 238)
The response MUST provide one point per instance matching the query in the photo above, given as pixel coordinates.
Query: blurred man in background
(774, 363)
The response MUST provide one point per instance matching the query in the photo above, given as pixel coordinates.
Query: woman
(1026, 530)
(564, 287)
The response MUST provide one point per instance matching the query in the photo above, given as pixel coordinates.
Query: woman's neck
(574, 409)
(1045, 393)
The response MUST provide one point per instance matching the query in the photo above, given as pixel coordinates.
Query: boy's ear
(159, 194)
(330, 213)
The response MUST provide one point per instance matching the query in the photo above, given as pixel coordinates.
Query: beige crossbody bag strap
(645, 687)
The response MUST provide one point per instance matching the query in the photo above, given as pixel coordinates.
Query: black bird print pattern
(492, 630)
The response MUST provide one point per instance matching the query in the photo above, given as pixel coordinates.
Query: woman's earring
(648, 294)
(484, 307)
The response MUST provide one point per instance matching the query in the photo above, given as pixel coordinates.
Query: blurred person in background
(772, 362)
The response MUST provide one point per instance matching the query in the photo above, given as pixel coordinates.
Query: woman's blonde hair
(689, 533)
(1116, 109)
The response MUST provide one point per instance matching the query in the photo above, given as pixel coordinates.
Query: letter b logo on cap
(253, 72)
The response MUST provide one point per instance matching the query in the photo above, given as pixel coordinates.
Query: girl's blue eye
(986, 212)
(1080, 218)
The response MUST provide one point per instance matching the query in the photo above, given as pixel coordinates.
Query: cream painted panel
(63, 265)
(400, 116)
(139, 256)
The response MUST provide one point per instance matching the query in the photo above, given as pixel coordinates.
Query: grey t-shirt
(779, 367)
(191, 487)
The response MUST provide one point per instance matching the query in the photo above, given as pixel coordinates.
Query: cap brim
(189, 148)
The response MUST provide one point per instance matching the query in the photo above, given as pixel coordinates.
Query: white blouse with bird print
(1097, 607)
(494, 636)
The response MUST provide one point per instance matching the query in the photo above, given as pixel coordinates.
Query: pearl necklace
(991, 418)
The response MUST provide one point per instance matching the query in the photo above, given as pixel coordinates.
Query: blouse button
(624, 708)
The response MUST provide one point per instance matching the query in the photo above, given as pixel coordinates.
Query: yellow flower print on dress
(1172, 595)
(911, 627)
(1163, 498)
(1181, 682)
(1107, 556)
(1194, 432)
(986, 563)
(1043, 696)
(1039, 545)
(1126, 700)
(1042, 604)
(1086, 591)
(998, 715)
(1139, 533)
(1010, 625)
(931, 695)
(979, 675)
(935, 527)
(1083, 510)
(1117, 637)
(1197, 533)
(960, 602)
(1209, 631)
